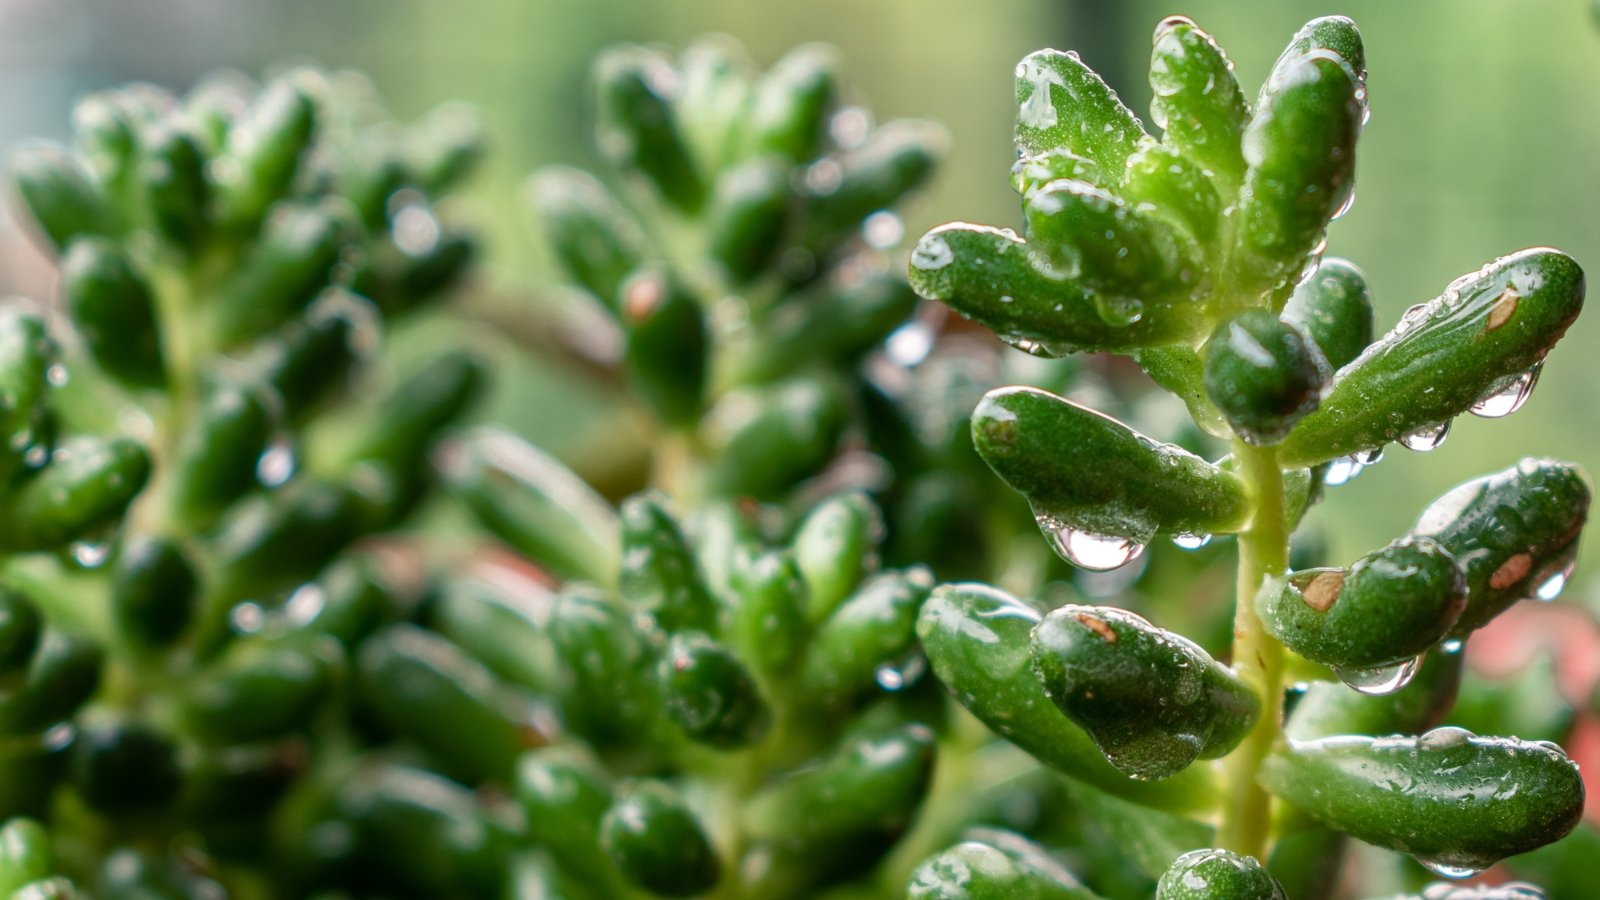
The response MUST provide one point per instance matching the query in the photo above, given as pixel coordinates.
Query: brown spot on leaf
(1505, 306)
(1510, 572)
(1098, 626)
(1322, 590)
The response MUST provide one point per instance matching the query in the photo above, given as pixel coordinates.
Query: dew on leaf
(1086, 549)
(1426, 438)
(1381, 680)
(1342, 470)
(1508, 396)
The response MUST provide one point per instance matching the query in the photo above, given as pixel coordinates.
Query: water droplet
(90, 554)
(1118, 312)
(305, 604)
(1368, 457)
(414, 230)
(36, 456)
(933, 253)
(1087, 550)
(849, 127)
(824, 177)
(364, 324)
(898, 676)
(277, 463)
(1507, 397)
(1555, 583)
(1381, 680)
(883, 229)
(1169, 23)
(58, 736)
(247, 618)
(1191, 541)
(1342, 470)
(1039, 110)
(56, 375)
(1448, 737)
(1041, 349)
(1344, 207)
(1447, 870)
(1453, 645)
(1426, 438)
(909, 344)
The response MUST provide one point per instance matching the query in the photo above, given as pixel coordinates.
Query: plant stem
(1257, 657)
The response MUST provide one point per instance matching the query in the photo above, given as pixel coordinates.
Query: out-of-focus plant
(182, 602)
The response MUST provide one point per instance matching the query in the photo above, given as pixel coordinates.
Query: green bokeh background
(1484, 137)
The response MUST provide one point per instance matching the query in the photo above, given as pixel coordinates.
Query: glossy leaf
(1444, 356)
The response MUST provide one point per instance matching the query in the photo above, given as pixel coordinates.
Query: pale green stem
(1257, 656)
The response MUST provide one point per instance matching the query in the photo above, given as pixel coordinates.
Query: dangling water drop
(1087, 550)
(1551, 587)
(1041, 349)
(1426, 438)
(898, 676)
(882, 230)
(305, 604)
(1342, 470)
(36, 456)
(910, 344)
(90, 554)
(277, 463)
(1190, 541)
(1381, 680)
(1452, 645)
(1344, 206)
(1507, 397)
(1445, 870)
(1118, 312)
(247, 617)
(1169, 23)
(1368, 457)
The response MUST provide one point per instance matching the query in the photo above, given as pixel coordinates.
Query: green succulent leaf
(595, 240)
(534, 503)
(1063, 104)
(1114, 248)
(1197, 101)
(1514, 533)
(637, 126)
(1153, 701)
(1334, 308)
(994, 865)
(1218, 875)
(1388, 608)
(62, 197)
(1087, 473)
(114, 311)
(1449, 797)
(1264, 375)
(710, 694)
(657, 843)
(1300, 152)
(26, 854)
(658, 571)
(21, 626)
(978, 642)
(1487, 329)
(986, 274)
(425, 688)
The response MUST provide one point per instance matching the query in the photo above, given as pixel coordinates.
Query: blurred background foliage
(1484, 139)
